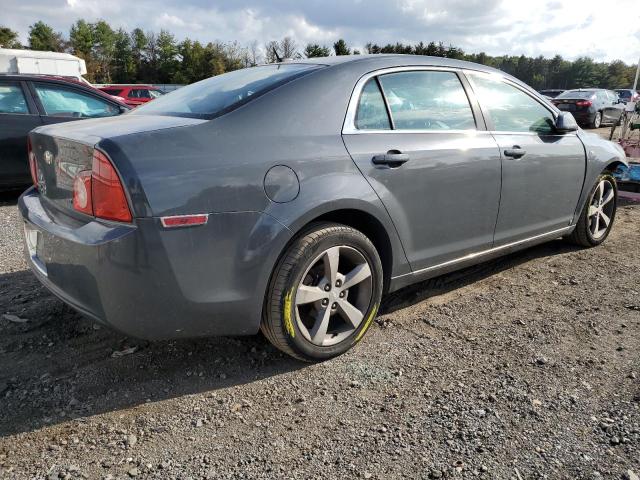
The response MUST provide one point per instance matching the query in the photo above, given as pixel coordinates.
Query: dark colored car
(591, 107)
(551, 92)
(628, 95)
(28, 101)
(133, 95)
(291, 197)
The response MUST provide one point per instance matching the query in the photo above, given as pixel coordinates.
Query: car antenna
(275, 52)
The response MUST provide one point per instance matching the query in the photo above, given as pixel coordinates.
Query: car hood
(91, 131)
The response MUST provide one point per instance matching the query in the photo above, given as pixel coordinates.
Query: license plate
(34, 240)
(566, 106)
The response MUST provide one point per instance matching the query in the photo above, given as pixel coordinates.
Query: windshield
(624, 93)
(218, 95)
(577, 94)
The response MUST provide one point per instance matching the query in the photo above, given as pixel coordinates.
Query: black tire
(280, 321)
(597, 120)
(582, 234)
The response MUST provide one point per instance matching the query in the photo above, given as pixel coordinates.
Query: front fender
(601, 155)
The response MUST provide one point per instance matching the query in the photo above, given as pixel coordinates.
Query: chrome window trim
(349, 126)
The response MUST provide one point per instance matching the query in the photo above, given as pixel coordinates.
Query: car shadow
(57, 366)
(10, 197)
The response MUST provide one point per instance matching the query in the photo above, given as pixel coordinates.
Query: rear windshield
(218, 95)
(624, 93)
(112, 91)
(577, 94)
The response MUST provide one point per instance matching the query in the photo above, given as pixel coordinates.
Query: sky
(604, 31)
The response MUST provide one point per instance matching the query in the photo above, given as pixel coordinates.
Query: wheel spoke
(596, 230)
(319, 330)
(600, 191)
(606, 220)
(309, 294)
(331, 259)
(350, 313)
(608, 197)
(592, 210)
(357, 275)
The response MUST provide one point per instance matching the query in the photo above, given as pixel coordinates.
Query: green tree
(123, 65)
(341, 48)
(81, 42)
(167, 56)
(314, 50)
(138, 47)
(43, 37)
(9, 38)
(103, 50)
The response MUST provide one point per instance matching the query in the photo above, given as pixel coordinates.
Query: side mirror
(565, 123)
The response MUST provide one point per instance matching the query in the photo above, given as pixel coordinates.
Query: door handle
(515, 152)
(392, 159)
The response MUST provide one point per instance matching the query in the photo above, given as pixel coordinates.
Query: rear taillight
(583, 103)
(99, 192)
(33, 166)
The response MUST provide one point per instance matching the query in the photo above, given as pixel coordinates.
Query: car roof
(393, 59)
(62, 81)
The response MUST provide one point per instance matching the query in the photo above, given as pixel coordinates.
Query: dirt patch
(525, 367)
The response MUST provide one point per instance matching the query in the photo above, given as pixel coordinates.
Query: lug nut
(327, 287)
(325, 302)
(341, 294)
(335, 305)
(338, 283)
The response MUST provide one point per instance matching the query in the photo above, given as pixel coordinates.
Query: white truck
(33, 62)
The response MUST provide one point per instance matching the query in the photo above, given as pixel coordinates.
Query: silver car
(290, 198)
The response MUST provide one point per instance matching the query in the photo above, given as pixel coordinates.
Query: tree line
(119, 56)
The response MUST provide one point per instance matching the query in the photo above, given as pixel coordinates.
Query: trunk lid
(64, 150)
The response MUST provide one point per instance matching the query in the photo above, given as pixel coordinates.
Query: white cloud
(570, 28)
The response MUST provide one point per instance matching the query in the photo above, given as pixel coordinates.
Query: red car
(133, 95)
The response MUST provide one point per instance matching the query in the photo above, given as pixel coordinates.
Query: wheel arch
(365, 217)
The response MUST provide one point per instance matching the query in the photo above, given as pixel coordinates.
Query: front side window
(510, 109)
(372, 113)
(427, 100)
(12, 99)
(133, 93)
(218, 95)
(62, 102)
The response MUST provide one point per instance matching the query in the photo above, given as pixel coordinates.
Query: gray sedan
(290, 198)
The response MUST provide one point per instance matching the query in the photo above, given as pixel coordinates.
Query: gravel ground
(526, 367)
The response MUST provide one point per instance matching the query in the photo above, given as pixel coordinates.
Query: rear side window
(63, 102)
(510, 109)
(218, 95)
(372, 112)
(427, 100)
(12, 99)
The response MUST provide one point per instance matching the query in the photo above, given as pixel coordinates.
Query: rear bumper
(154, 283)
(584, 117)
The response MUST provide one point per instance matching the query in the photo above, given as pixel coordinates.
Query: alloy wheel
(601, 209)
(598, 120)
(334, 294)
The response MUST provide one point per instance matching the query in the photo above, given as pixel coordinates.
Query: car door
(63, 103)
(134, 97)
(614, 107)
(542, 170)
(422, 144)
(18, 115)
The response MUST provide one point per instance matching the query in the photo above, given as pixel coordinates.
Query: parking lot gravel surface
(523, 368)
